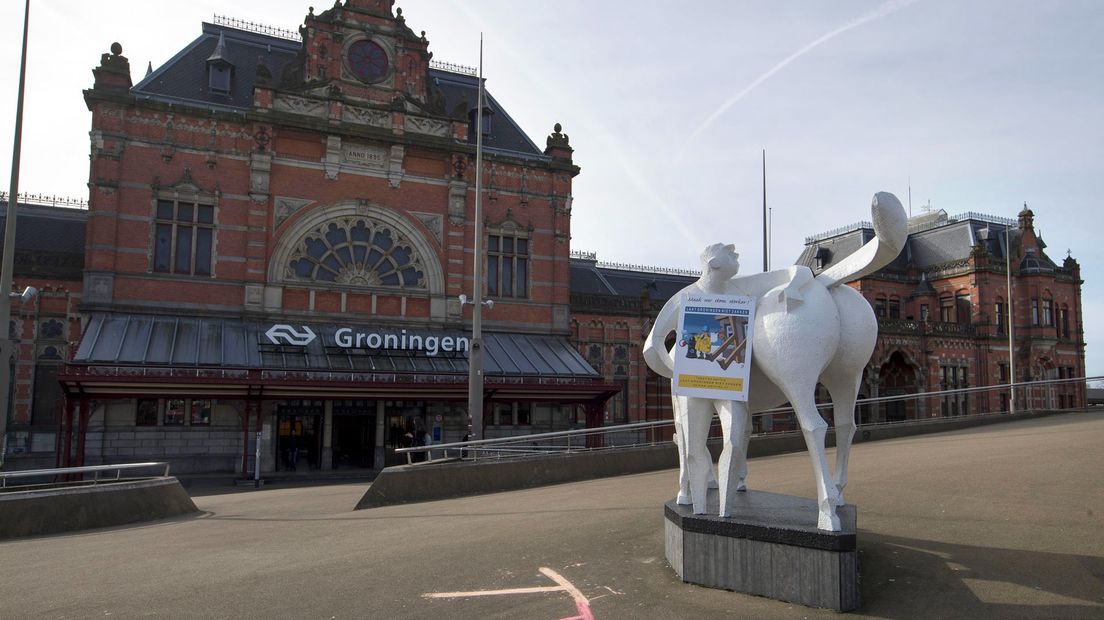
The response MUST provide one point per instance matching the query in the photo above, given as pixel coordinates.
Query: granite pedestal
(770, 547)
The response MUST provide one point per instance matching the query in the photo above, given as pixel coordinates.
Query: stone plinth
(770, 547)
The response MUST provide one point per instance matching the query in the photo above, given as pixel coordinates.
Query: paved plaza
(1002, 521)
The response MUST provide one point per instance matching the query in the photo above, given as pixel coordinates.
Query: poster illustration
(713, 350)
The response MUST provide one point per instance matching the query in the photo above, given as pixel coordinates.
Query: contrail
(885, 9)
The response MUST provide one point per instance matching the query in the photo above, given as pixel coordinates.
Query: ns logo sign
(286, 334)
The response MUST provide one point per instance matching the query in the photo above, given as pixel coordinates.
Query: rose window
(357, 252)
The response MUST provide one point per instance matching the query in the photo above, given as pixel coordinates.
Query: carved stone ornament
(286, 207)
(433, 222)
(791, 309)
(300, 105)
(427, 126)
(366, 116)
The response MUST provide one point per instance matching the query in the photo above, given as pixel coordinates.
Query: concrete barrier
(54, 511)
(454, 478)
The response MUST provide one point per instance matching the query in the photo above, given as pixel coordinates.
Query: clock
(367, 61)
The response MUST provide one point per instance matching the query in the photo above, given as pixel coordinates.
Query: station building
(279, 228)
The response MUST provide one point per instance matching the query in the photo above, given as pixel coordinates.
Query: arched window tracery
(356, 251)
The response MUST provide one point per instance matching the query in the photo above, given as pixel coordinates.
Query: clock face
(368, 61)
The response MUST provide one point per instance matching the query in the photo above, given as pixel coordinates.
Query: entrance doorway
(354, 433)
(299, 435)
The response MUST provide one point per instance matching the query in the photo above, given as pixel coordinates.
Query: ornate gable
(363, 50)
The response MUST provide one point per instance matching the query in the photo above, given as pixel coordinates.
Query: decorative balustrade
(910, 327)
(45, 200)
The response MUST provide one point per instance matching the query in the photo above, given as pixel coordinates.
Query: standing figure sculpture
(806, 330)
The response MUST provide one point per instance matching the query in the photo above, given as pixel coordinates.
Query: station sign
(359, 338)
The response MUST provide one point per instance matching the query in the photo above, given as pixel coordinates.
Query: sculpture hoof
(713, 484)
(683, 499)
(741, 487)
(828, 522)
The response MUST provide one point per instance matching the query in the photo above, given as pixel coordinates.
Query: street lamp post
(475, 354)
(1011, 353)
(8, 260)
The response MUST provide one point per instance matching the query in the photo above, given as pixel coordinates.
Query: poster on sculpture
(713, 350)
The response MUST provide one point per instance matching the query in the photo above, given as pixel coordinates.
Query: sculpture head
(720, 259)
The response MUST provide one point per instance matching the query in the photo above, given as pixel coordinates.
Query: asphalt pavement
(1002, 521)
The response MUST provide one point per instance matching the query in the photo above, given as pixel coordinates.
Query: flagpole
(475, 355)
(766, 267)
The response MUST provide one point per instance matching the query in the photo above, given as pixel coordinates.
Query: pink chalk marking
(582, 604)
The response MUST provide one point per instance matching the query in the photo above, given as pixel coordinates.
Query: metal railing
(69, 471)
(939, 405)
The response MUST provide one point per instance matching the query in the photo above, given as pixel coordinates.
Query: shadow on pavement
(909, 578)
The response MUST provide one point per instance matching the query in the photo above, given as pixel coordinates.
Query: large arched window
(356, 251)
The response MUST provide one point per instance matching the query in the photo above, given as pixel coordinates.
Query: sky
(975, 106)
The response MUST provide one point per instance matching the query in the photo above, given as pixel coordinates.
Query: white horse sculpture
(806, 330)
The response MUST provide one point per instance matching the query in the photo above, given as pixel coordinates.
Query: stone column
(381, 431)
(326, 458)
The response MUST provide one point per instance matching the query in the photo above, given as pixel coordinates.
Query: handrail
(495, 445)
(118, 469)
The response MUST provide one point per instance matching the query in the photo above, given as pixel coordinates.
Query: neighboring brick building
(49, 255)
(941, 308)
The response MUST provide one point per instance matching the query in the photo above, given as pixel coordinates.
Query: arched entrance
(897, 378)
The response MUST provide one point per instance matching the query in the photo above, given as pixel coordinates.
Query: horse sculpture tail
(890, 233)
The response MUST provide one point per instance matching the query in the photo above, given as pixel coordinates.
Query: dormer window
(488, 115)
(220, 71)
(821, 258)
(219, 79)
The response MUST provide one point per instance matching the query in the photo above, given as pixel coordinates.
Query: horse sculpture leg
(814, 428)
(678, 403)
(844, 390)
(745, 441)
(734, 420)
(697, 417)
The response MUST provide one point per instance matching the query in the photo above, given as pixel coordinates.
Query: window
(1048, 312)
(999, 316)
(880, 307)
(47, 395)
(1063, 322)
(201, 412)
(174, 412)
(924, 312)
(183, 239)
(962, 308)
(507, 266)
(512, 414)
(954, 378)
(360, 252)
(1035, 311)
(219, 78)
(146, 414)
(946, 309)
(894, 308)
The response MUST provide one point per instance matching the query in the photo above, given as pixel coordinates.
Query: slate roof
(49, 241)
(588, 277)
(505, 134)
(183, 80)
(934, 239)
(41, 228)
